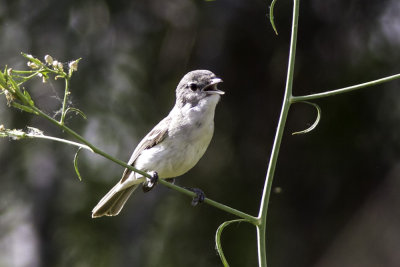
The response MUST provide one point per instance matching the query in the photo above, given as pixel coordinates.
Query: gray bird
(175, 144)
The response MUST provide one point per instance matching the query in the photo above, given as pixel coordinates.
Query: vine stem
(262, 216)
(64, 105)
(247, 217)
(47, 137)
(295, 99)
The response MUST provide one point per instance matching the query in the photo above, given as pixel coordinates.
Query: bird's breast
(189, 135)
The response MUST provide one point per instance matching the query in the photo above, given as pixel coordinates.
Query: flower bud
(32, 65)
(73, 65)
(48, 59)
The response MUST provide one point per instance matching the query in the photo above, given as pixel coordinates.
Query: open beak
(212, 87)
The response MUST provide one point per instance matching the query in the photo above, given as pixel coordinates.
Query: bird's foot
(150, 182)
(200, 196)
(154, 178)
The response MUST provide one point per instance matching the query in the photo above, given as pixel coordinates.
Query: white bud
(73, 65)
(32, 65)
(48, 59)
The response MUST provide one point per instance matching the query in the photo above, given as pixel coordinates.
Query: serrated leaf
(218, 245)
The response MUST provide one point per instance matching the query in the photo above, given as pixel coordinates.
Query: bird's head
(197, 85)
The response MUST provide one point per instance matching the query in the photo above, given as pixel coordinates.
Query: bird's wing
(155, 136)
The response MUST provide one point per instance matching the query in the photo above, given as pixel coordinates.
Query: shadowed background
(339, 185)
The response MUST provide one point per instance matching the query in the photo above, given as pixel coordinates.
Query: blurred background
(337, 197)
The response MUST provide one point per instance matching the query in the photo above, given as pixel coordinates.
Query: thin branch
(261, 229)
(295, 99)
(213, 203)
(59, 140)
(64, 105)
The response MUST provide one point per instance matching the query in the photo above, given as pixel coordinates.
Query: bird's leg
(150, 183)
(200, 196)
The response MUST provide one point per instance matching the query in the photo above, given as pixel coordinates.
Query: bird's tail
(112, 203)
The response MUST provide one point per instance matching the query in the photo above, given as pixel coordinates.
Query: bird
(174, 145)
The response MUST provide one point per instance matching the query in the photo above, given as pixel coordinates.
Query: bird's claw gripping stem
(200, 196)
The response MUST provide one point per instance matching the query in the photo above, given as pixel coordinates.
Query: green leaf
(32, 59)
(314, 125)
(76, 164)
(28, 98)
(3, 83)
(23, 108)
(218, 239)
(271, 16)
(12, 86)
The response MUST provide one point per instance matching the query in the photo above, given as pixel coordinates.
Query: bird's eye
(192, 86)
